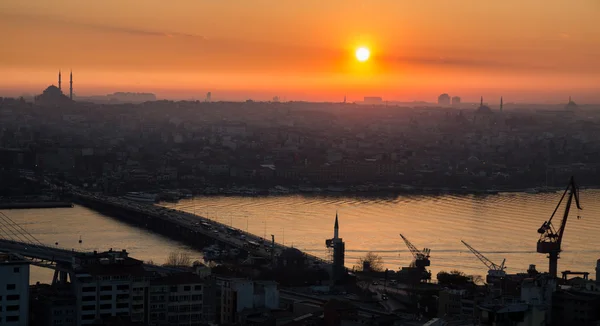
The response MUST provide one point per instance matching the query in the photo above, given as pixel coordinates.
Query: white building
(108, 284)
(14, 290)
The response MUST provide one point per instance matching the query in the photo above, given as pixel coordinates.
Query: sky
(525, 51)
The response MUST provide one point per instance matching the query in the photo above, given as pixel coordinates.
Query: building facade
(14, 290)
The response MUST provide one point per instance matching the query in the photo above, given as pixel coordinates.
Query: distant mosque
(54, 95)
(571, 105)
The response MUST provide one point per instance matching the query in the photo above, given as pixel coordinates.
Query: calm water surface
(500, 226)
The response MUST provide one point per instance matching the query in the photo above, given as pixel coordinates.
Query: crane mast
(551, 238)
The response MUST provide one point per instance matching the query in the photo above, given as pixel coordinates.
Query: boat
(532, 191)
(491, 192)
(140, 197)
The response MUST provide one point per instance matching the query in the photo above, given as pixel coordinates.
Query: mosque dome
(571, 105)
(484, 109)
(292, 253)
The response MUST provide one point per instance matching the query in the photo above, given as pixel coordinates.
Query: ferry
(140, 197)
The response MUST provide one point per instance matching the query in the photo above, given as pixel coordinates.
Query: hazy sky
(534, 50)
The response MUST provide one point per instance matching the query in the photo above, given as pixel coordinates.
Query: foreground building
(14, 290)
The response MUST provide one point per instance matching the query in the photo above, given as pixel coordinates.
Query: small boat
(491, 192)
(532, 191)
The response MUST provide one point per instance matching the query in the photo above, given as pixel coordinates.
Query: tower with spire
(59, 81)
(71, 86)
(501, 103)
(338, 270)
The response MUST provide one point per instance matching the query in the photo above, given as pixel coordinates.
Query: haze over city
(529, 51)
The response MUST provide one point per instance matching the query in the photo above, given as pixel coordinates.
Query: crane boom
(418, 254)
(488, 263)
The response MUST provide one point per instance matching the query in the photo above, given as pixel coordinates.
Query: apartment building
(14, 290)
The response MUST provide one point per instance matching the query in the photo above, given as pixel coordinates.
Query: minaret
(481, 104)
(336, 227)
(71, 86)
(500, 103)
(59, 81)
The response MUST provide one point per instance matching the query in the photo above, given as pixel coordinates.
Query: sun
(362, 54)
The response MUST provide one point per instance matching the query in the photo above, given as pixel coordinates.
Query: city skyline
(418, 51)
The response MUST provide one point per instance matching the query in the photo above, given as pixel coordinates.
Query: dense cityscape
(252, 147)
(121, 157)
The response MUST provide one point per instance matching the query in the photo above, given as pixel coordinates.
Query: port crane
(495, 271)
(421, 256)
(551, 237)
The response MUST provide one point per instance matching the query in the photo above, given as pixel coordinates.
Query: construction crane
(550, 237)
(495, 271)
(421, 256)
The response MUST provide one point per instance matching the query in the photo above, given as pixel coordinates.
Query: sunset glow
(305, 50)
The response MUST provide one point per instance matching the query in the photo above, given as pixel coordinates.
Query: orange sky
(533, 50)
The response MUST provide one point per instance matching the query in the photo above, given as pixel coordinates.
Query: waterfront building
(109, 284)
(14, 290)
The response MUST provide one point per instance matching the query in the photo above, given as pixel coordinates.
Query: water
(499, 226)
(97, 231)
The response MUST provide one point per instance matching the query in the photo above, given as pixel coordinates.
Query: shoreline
(386, 192)
(30, 205)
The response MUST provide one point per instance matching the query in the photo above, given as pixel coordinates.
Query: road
(210, 228)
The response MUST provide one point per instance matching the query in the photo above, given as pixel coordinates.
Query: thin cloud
(28, 19)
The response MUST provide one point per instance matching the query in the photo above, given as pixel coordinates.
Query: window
(138, 306)
(105, 297)
(12, 297)
(88, 289)
(123, 287)
(88, 307)
(12, 318)
(173, 289)
(122, 296)
(122, 305)
(88, 317)
(88, 298)
(11, 286)
(198, 287)
(106, 288)
(138, 298)
(197, 297)
(106, 306)
(187, 288)
(12, 308)
(16, 270)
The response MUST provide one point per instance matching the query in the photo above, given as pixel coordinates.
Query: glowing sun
(362, 54)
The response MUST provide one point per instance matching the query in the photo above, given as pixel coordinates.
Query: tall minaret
(481, 104)
(336, 227)
(71, 86)
(59, 81)
(500, 103)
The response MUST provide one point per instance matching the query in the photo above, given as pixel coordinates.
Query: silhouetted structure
(339, 248)
(444, 99)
